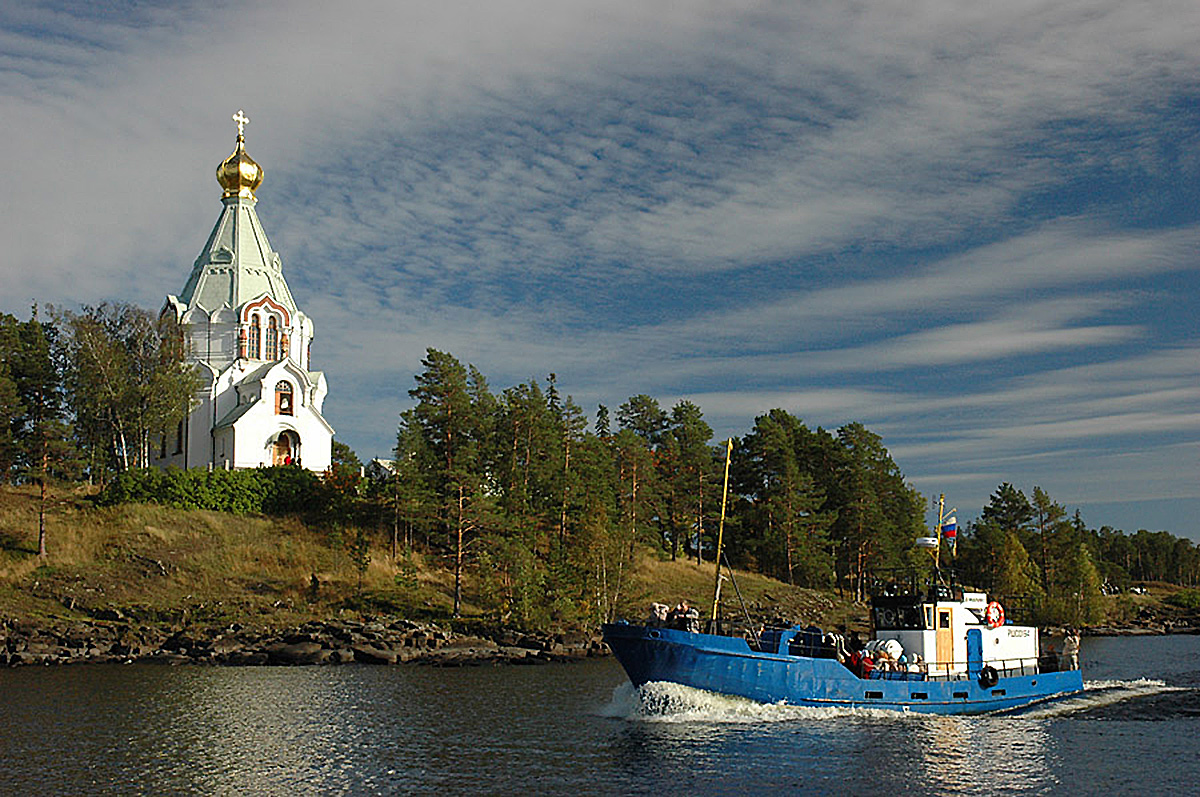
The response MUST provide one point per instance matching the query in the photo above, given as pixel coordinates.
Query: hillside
(141, 581)
(156, 565)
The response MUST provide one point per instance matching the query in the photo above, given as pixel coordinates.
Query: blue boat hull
(727, 665)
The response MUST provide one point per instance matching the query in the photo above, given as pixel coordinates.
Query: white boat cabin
(954, 631)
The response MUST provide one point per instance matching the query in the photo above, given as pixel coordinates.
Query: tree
(360, 554)
(1048, 518)
(343, 458)
(1009, 509)
(1078, 588)
(11, 409)
(878, 513)
(642, 416)
(40, 433)
(128, 379)
(786, 517)
(451, 418)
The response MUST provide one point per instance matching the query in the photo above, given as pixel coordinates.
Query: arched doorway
(286, 448)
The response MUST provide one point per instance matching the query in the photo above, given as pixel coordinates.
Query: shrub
(1186, 599)
(273, 491)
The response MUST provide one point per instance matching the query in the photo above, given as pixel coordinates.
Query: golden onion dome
(238, 174)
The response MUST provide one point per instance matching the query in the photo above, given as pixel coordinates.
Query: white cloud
(811, 205)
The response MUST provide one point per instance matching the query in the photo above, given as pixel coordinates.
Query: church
(261, 402)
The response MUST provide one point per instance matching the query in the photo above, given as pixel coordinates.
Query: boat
(940, 650)
(960, 656)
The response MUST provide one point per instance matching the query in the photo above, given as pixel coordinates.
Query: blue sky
(974, 229)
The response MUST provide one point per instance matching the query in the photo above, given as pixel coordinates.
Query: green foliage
(540, 518)
(1185, 599)
(279, 490)
(360, 553)
(128, 379)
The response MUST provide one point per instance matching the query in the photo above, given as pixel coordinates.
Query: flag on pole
(950, 528)
(950, 532)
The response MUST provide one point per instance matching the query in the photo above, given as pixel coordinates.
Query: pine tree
(453, 413)
(40, 433)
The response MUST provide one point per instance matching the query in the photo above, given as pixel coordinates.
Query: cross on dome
(238, 174)
(242, 120)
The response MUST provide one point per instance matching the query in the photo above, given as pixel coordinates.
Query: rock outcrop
(315, 643)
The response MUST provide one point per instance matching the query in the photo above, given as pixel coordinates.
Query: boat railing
(961, 670)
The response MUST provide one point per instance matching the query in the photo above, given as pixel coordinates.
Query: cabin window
(283, 398)
(874, 695)
(944, 619)
(255, 339)
(272, 339)
(898, 618)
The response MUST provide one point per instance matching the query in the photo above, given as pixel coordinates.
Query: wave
(660, 701)
(670, 702)
(1100, 695)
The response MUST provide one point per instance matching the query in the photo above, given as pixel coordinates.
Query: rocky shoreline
(314, 643)
(329, 642)
(1165, 629)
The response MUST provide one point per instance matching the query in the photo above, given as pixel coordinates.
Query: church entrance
(286, 448)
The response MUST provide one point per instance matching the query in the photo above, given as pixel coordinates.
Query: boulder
(369, 654)
(297, 653)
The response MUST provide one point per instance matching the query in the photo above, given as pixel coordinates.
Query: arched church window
(255, 339)
(283, 398)
(283, 345)
(272, 339)
(242, 343)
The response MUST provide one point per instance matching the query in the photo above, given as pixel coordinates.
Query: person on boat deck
(1070, 650)
(684, 618)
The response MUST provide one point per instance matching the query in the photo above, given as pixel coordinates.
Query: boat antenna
(721, 533)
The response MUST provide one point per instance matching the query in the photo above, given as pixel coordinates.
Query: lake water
(577, 729)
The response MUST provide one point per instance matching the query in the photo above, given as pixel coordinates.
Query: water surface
(576, 729)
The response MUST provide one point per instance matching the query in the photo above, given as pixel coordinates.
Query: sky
(973, 228)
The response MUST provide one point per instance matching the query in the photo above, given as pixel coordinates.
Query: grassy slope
(164, 565)
(159, 564)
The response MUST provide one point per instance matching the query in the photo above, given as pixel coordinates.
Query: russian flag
(950, 527)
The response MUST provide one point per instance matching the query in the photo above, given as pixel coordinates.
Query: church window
(272, 339)
(283, 345)
(242, 343)
(283, 398)
(255, 339)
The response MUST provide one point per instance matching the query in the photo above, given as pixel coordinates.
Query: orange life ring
(994, 615)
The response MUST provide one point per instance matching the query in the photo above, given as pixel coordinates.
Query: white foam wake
(660, 701)
(1097, 694)
(670, 702)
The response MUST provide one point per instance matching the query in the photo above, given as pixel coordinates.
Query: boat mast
(937, 532)
(721, 533)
